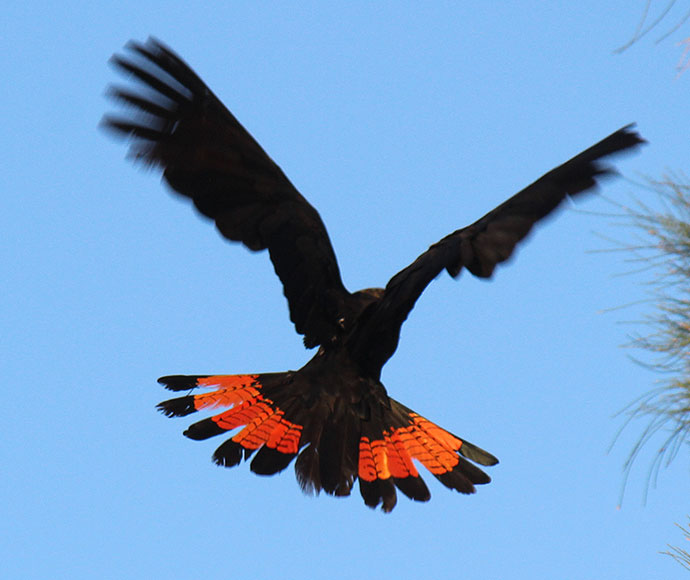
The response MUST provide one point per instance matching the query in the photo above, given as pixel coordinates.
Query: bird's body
(334, 414)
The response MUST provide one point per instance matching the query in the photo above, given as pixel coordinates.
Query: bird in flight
(333, 415)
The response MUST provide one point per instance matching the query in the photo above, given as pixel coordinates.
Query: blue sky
(400, 122)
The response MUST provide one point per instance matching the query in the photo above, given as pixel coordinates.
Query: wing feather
(481, 246)
(180, 126)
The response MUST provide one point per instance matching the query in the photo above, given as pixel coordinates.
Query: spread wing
(486, 243)
(180, 126)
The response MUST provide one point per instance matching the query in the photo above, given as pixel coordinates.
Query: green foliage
(678, 554)
(665, 250)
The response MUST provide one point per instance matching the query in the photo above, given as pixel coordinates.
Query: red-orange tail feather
(262, 419)
(336, 441)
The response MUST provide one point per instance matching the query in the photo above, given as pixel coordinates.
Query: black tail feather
(456, 480)
(269, 461)
(203, 430)
(337, 451)
(379, 491)
(228, 454)
(180, 382)
(413, 487)
(307, 470)
(477, 454)
(180, 407)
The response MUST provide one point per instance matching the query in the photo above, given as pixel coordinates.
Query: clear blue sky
(400, 122)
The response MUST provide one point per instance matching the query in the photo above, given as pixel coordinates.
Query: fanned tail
(336, 441)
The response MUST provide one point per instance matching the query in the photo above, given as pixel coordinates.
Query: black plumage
(333, 414)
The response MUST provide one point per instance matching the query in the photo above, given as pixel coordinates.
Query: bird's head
(372, 294)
